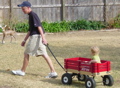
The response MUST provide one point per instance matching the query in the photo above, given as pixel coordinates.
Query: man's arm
(25, 39)
(42, 35)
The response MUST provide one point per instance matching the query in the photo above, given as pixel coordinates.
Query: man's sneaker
(52, 75)
(18, 72)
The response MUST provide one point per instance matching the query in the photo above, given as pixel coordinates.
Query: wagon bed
(81, 65)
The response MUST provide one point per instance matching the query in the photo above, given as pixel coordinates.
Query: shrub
(116, 23)
(63, 26)
(87, 25)
(22, 27)
(0, 30)
(97, 25)
(56, 26)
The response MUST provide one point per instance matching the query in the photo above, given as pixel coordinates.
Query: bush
(87, 25)
(63, 26)
(97, 25)
(22, 27)
(116, 23)
(0, 30)
(56, 26)
(72, 25)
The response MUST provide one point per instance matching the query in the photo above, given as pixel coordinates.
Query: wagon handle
(54, 56)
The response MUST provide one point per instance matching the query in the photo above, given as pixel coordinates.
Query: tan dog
(7, 31)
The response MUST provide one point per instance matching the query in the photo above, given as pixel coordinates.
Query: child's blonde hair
(95, 50)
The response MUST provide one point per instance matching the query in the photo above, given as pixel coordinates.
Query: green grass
(63, 45)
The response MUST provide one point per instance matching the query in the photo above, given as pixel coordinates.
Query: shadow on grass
(35, 75)
(75, 84)
(6, 71)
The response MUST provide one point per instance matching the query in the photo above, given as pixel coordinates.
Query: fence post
(105, 11)
(63, 10)
(11, 11)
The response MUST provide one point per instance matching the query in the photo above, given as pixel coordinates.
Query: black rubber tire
(108, 80)
(82, 77)
(90, 83)
(66, 78)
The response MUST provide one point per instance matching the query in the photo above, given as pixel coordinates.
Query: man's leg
(53, 74)
(49, 62)
(25, 62)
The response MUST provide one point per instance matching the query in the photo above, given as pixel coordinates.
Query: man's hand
(44, 41)
(23, 43)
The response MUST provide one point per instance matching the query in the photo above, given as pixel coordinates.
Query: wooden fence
(57, 10)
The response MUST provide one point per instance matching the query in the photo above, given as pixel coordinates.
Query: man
(36, 45)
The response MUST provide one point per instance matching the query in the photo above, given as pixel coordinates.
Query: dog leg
(14, 38)
(3, 39)
(11, 39)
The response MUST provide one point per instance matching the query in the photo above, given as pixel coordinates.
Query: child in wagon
(95, 55)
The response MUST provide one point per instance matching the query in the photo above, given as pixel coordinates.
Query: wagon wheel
(90, 83)
(82, 77)
(108, 80)
(66, 78)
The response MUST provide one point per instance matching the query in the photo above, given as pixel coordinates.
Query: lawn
(63, 45)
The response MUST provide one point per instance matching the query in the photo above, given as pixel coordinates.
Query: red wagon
(84, 71)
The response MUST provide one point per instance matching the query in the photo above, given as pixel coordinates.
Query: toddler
(95, 55)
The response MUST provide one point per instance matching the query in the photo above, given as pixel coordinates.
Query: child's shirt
(97, 58)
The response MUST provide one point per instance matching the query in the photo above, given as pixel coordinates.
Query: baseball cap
(25, 4)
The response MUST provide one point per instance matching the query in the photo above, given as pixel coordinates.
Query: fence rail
(57, 10)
